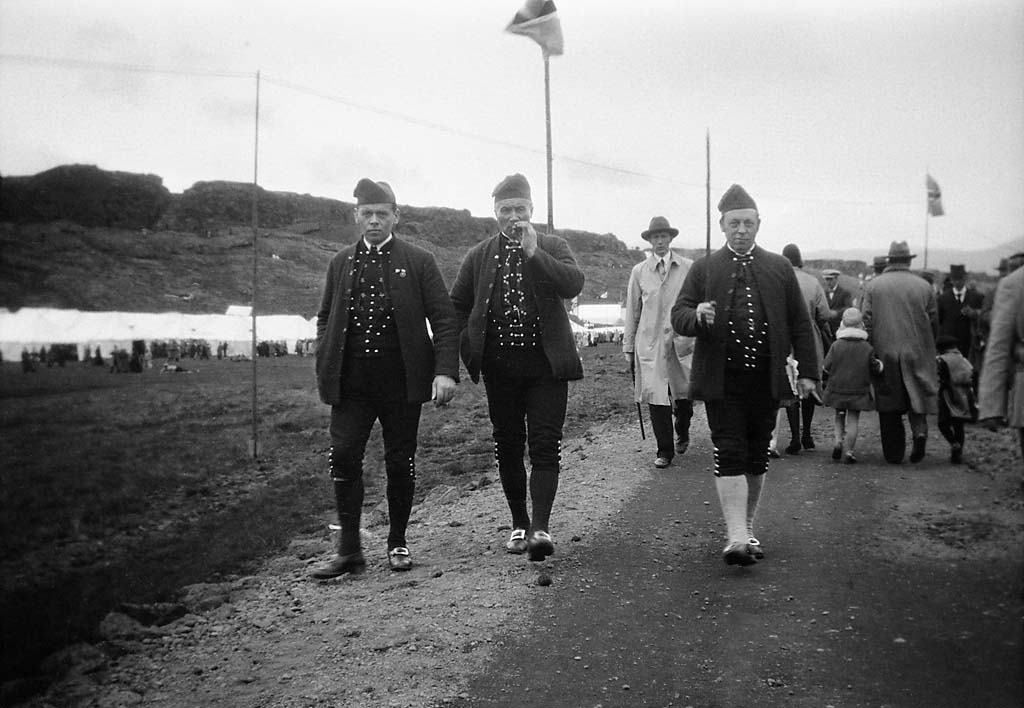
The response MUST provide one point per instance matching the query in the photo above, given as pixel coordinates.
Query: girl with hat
(850, 363)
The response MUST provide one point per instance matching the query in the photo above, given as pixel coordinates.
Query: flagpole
(254, 447)
(547, 117)
(707, 192)
(926, 219)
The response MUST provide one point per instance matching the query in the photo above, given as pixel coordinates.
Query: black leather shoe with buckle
(339, 565)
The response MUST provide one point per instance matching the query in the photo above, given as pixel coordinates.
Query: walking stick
(639, 411)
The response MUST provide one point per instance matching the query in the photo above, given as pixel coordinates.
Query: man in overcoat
(1001, 388)
(744, 306)
(900, 317)
(509, 298)
(658, 357)
(376, 360)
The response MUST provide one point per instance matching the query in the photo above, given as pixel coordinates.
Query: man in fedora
(744, 306)
(901, 319)
(878, 264)
(375, 360)
(509, 298)
(658, 357)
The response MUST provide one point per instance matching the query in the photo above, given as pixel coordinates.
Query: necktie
(661, 267)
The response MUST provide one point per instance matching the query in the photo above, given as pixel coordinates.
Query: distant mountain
(83, 238)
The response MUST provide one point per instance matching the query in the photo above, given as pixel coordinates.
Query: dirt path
(883, 586)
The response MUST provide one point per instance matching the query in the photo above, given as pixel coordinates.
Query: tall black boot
(348, 497)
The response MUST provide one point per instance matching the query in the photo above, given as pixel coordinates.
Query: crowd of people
(748, 332)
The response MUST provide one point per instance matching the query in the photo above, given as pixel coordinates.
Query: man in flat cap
(745, 307)
(375, 360)
(658, 357)
(901, 319)
(839, 298)
(509, 298)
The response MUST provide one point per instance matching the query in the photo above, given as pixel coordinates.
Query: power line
(113, 66)
(412, 120)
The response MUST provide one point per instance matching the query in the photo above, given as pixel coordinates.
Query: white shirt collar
(382, 244)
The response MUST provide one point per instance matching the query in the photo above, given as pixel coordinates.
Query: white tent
(29, 329)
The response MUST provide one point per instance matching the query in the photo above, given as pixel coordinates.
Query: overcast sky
(829, 113)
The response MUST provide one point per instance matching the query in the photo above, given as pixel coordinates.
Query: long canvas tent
(29, 329)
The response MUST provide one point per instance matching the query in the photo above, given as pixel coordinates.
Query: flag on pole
(934, 196)
(539, 21)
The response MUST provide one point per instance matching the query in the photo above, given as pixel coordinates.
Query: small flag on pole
(539, 21)
(934, 196)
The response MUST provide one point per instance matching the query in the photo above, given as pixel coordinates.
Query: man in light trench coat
(659, 358)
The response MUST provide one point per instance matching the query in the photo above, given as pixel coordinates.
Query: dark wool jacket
(789, 322)
(418, 294)
(552, 275)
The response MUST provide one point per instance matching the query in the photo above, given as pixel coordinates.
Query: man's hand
(805, 387)
(706, 313)
(993, 423)
(443, 390)
(528, 237)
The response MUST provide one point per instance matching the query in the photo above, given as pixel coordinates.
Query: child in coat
(956, 395)
(850, 363)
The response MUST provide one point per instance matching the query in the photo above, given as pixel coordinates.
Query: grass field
(124, 487)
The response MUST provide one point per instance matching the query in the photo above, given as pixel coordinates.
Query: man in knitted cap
(659, 358)
(901, 320)
(509, 297)
(744, 306)
(375, 360)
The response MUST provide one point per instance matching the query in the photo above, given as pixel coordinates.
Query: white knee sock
(732, 494)
(755, 484)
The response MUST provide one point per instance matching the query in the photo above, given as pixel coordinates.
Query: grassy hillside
(80, 237)
(62, 264)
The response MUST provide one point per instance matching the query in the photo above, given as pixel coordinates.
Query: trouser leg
(807, 413)
(684, 415)
(508, 421)
(894, 442)
(793, 416)
(661, 424)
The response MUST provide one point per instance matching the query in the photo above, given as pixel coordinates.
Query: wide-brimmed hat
(659, 224)
(899, 250)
